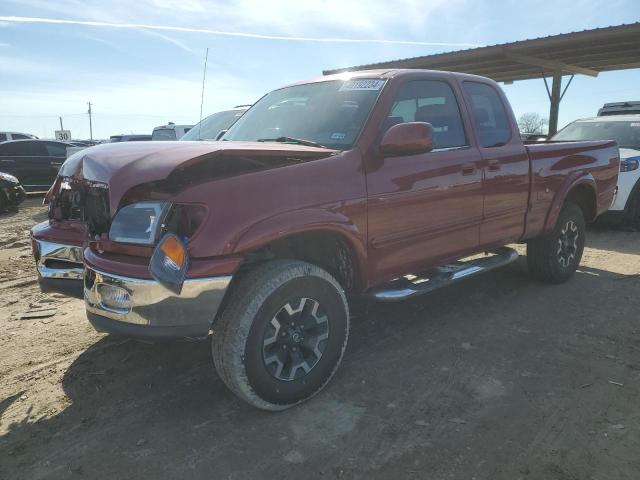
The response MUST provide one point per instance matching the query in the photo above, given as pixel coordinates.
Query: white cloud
(229, 33)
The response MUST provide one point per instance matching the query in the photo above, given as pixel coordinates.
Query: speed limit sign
(63, 135)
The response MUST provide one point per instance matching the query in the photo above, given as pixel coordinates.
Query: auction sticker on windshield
(362, 85)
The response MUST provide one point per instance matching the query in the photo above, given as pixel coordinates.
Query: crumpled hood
(125, 165)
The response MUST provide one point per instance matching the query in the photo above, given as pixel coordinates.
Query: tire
(551, 260)
(271, 364)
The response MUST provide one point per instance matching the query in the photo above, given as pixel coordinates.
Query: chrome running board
(412, 285)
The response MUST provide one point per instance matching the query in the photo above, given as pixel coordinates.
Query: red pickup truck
(386, 184)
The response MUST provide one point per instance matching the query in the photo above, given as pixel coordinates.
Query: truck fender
(573, 180)
(302, 221)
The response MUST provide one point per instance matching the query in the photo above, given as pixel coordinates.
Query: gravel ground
(498, 377)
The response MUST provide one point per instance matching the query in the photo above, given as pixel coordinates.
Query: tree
(532, 122)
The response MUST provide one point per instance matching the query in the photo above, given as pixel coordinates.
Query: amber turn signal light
(174, 251)
(169, 263)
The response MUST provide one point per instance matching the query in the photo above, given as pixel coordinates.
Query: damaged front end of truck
(120, 230)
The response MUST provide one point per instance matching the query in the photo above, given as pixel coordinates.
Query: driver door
(425, 209)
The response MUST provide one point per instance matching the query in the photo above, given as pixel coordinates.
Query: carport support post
(555, 102)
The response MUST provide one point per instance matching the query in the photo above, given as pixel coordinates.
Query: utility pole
(90, 124)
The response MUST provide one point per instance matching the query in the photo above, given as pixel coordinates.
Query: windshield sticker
(338, 136)
(361, 85)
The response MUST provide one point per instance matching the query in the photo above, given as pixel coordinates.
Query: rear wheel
(282, 334)
(555, 257)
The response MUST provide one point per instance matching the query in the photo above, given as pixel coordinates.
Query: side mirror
(409, 138)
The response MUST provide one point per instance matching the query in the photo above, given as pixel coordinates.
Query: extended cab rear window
(489, 115)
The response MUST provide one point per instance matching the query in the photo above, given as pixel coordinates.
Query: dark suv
(34, 162)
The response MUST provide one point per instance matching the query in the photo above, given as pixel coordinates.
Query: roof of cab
(385, 74)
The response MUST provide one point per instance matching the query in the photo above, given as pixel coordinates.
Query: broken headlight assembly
(139, 223)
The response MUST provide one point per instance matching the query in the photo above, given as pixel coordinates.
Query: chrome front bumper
(149, 309)
(58, 261)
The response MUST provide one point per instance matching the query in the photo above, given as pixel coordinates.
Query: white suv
(6, 136)
(624, 129)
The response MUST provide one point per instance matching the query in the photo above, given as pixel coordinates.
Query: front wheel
(282, 334)
(555, 257)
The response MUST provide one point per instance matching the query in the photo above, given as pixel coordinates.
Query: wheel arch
(579, 188)
(327, 239)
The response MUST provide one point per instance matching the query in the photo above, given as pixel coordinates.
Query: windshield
(330, 113)
(627, 134)
(210, 127)
(164, 134)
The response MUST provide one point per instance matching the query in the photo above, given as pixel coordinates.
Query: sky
(57, 56)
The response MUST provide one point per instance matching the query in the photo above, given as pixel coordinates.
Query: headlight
(139, 223)
(629, 164)
(9, 178)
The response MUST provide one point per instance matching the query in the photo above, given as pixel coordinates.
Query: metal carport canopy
(588, 52)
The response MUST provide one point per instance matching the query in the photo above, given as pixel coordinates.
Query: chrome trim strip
(60, 252)
(154, 305)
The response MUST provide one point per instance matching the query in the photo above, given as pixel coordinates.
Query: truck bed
(558, 166)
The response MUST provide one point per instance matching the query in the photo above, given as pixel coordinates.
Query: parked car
(7, 136)
(625, 130)
(171, 131)
(376, 185)
(212, 126)
(34, 162)
(11, 192)
(620, 108)
(129, 138)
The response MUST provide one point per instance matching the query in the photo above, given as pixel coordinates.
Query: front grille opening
(81, 201)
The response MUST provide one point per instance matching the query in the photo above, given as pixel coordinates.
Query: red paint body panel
(399, 215)
(557, 167)
(138, 267)
(70, 233)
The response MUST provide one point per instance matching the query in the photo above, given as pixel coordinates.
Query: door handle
(56, 164)
(494, 166)
(468, 169)
(7, 161)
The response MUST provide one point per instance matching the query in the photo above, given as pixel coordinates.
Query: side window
(35, 149)
(433, 102)
(56, 149)
(3, 137)
(14, 149)
(489, 115)
(19, 136)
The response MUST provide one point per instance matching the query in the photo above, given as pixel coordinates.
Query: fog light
(116, 298)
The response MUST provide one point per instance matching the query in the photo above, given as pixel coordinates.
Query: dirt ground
(498, 377)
